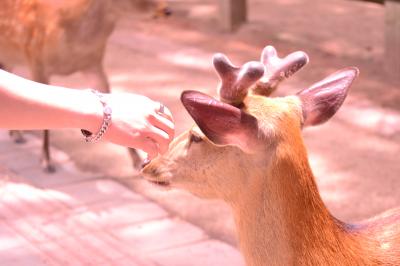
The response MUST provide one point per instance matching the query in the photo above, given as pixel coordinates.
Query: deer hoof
(20, 140)
(17, 137)
(48, 167)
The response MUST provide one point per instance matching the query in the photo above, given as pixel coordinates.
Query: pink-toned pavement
(76, 218)
(354, 156)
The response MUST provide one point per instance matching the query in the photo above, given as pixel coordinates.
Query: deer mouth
(154, 175)
(160, 183)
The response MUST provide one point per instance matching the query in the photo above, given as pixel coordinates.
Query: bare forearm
(30, 105)
(137, 121)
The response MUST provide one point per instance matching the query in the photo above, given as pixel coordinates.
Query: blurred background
(354, 155)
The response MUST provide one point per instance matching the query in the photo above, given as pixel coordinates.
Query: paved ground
(354, 156)
(76, 218)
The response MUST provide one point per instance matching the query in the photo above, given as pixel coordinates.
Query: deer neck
(283, 220)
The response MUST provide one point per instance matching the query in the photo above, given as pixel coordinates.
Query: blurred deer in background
(247, 149)
(61, 37)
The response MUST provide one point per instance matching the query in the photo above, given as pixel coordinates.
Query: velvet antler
(236, 81)
(277, 69)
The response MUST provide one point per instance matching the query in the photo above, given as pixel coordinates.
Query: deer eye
(195, 138)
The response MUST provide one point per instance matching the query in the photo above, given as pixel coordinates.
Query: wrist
(94, 136)
(91, 111)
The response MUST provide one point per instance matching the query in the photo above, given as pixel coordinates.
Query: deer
(246, 148)
(62, 37)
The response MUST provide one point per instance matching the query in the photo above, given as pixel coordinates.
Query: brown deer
(61, 37)
(247, 149)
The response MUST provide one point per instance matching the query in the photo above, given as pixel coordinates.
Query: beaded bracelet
(107, 111)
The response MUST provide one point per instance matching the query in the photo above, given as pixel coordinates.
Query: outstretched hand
(139, 122)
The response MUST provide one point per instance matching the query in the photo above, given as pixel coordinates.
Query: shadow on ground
(354, 156)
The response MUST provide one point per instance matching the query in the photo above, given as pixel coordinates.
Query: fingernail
(146, 162)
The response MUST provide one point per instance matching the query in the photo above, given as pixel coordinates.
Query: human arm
(136, 121)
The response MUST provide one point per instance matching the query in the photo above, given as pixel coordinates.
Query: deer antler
(277, 69)
(236, 81)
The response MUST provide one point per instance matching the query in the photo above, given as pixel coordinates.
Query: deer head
(240, 138)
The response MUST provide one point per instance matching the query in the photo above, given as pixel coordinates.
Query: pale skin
(136, 120)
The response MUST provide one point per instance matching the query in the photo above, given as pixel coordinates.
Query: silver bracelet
(107, 111)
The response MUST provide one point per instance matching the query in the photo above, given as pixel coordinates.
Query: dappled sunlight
(107, 188)
(328, 182)
(202, 11)
(346, 163)
(350, 192)
(21, 200)
(332, 196)
(379, 120)
(103, 221)
(300, 23)
(148, 229)
(343, 47)
(318, 163)
(109, 223)
(289, 37)
(354, 156)
(149, 84)
(374, 145)
(339, 10)
(351, 154)
(190, 58)
(156, 77)
(157, 235)
(288, 2)
(334, 47)
(7, 239)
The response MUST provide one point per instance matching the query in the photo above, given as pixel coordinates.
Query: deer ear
(321, 101)
(222, 123)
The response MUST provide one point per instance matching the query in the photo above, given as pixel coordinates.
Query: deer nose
(167, 11)
(150, 171)
(145, 162)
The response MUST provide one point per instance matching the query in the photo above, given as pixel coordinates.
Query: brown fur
(280, 217)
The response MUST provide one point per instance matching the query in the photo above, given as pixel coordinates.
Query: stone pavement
(76, 218)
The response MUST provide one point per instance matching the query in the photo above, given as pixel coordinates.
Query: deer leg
(38, 75)
(98, 78)
(17, 136)
(47, 165)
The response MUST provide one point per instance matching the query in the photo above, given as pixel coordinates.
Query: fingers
(155, 142)
(163, 124)
(139, 122)
(161, 138)
(161, 132)
(164, 111)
